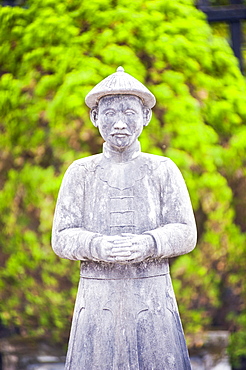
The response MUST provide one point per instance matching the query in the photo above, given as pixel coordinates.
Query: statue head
(120, 107)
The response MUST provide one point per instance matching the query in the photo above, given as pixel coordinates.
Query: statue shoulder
(159, 162)
(154, 158)
(87, 163)
(153, 161)
(80, 168)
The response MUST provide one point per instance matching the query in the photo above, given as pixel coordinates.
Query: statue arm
(178, 234)
(69, 239)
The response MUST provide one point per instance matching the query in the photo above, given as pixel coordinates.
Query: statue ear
(147, 115)
(94, 115)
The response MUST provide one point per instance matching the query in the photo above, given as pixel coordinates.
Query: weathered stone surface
(17, 353)
(123, 213)
(25, 354)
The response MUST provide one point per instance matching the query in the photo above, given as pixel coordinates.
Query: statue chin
(120, 142)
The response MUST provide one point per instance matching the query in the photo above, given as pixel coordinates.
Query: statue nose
(120, 125)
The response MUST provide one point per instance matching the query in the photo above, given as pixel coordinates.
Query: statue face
(120, 119)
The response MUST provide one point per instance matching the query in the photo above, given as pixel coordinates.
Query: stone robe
(125, 315)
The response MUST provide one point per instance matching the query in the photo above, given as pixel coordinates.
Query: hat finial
(120, 69)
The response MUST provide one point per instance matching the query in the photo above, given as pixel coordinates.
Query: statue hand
(102, 248)
(133, 248)
(125, 249)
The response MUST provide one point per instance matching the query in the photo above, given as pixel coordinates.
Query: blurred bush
(51, 54)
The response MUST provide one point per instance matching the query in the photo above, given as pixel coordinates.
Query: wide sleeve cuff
(73, 243)
(162, 248)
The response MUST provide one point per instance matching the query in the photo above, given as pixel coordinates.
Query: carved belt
(145, 269)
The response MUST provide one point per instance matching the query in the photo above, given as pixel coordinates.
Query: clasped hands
(124, 248)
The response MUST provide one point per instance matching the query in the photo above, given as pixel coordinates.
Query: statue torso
(122, 197)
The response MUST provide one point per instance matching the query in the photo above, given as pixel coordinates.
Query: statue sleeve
(177, 234)
(69, 239)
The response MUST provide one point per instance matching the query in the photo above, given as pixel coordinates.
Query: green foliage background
(51, 54)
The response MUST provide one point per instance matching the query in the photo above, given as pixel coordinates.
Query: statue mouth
(120, 134)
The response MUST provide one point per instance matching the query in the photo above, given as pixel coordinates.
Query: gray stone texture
(123, 214)
(26, 354)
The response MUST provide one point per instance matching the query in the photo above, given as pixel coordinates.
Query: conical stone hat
(120, 82)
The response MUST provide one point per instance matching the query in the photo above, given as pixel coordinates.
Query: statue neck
(126, 155)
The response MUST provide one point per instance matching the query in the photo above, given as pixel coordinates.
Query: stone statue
(123, 214)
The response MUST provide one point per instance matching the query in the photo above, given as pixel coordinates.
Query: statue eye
(129, 112)
(110, 113)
